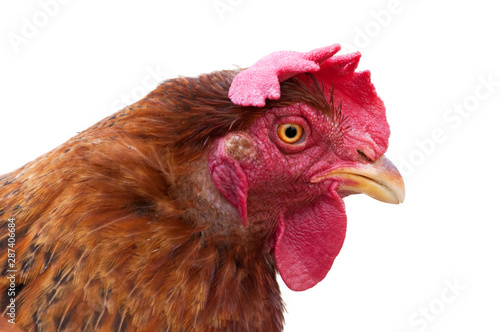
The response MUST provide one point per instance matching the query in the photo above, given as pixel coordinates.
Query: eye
(290, 132)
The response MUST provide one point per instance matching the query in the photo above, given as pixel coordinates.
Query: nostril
(364, 156)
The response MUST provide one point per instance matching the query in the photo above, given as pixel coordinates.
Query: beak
(380, 180)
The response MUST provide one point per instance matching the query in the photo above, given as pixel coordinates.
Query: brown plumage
(122, 229)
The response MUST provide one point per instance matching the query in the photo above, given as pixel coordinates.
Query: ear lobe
(230, 180)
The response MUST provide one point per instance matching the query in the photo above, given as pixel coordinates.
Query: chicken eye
(290, 132)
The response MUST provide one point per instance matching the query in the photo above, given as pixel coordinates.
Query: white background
(428, 59)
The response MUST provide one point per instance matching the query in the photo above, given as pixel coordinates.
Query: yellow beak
(380, 180)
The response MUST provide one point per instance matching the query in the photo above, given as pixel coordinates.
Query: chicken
(177, 212)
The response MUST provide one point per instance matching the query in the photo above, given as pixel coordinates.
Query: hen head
(291, 168)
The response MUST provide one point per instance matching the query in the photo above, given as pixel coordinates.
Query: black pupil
(291, 132)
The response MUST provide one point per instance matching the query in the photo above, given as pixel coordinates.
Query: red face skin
(281, 174)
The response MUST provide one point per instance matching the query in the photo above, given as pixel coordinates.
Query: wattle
(309, 240)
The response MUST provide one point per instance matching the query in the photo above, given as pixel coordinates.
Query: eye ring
(290, 133)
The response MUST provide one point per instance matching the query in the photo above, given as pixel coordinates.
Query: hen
(177, 212)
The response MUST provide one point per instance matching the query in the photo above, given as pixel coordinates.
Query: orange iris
(290, 132)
